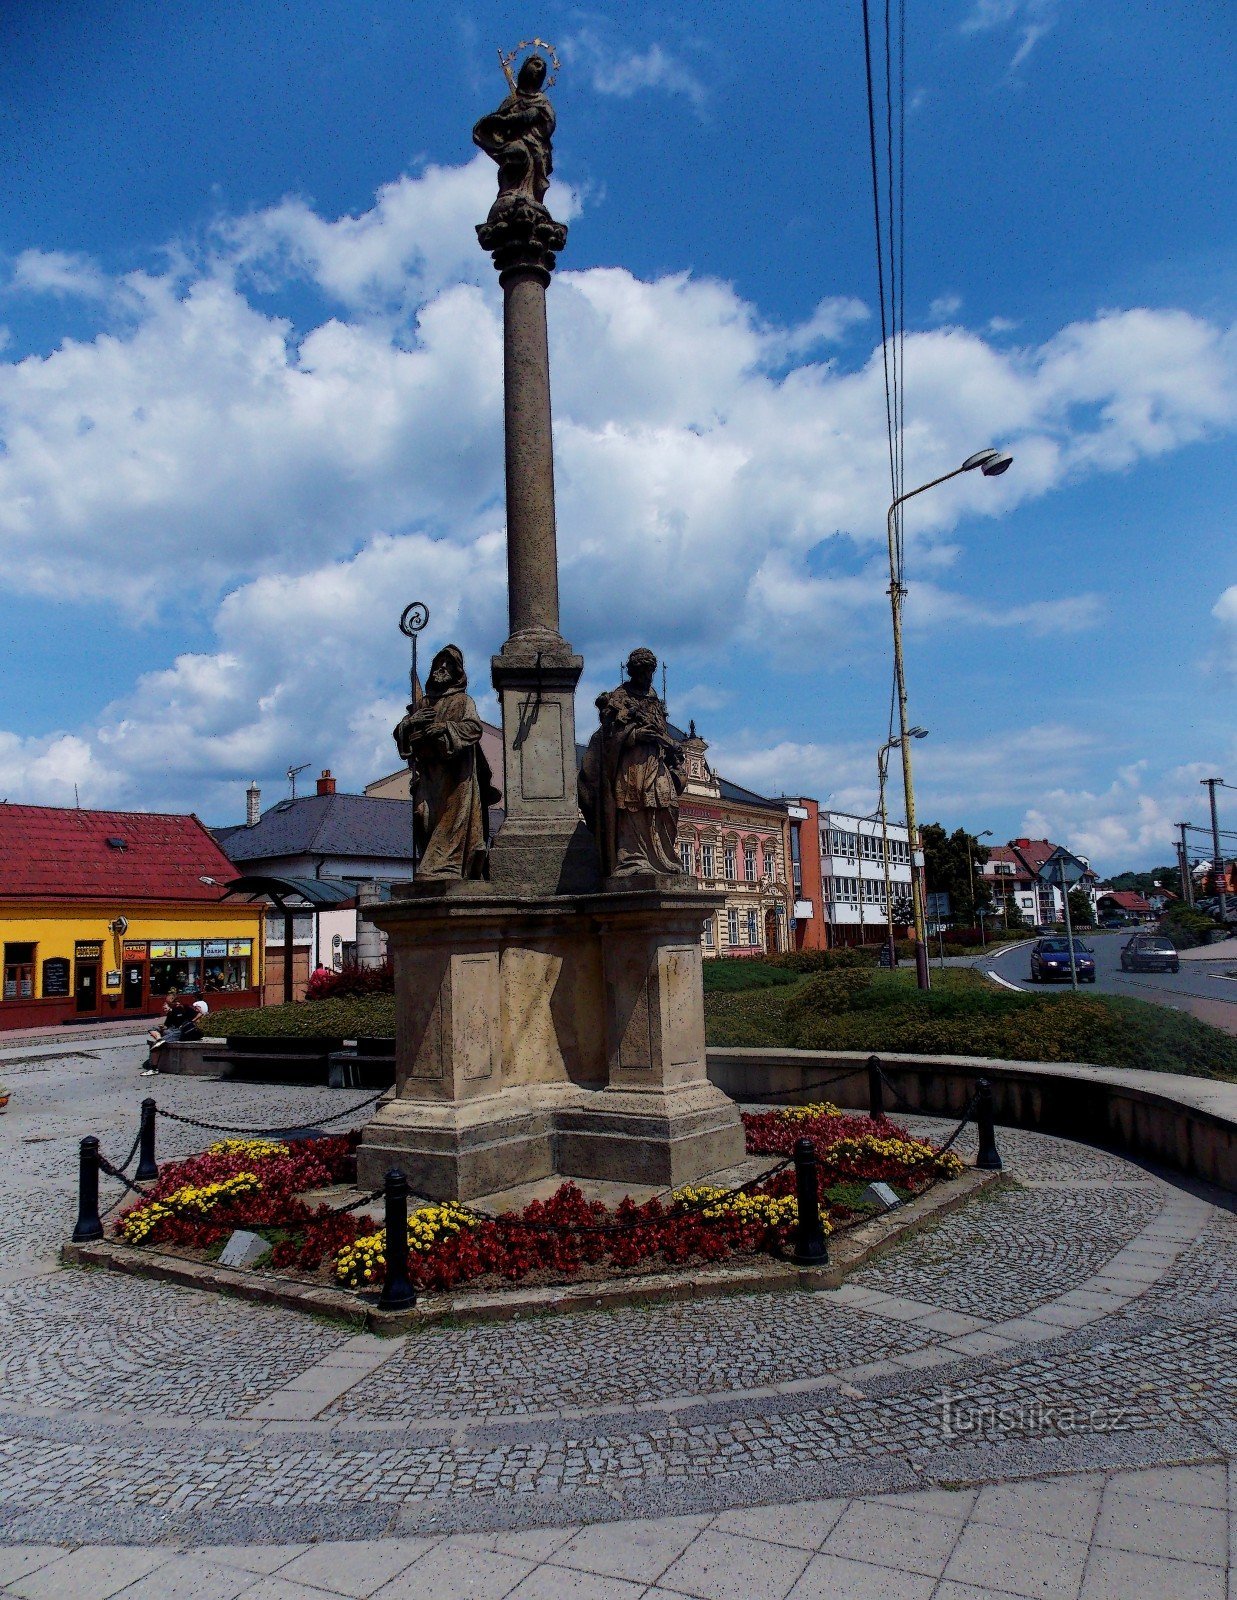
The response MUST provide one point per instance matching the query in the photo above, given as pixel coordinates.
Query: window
(770, 862)
(753, 928)
(19, 972)
(706, 860)
(686, 856)
(869, 845)
(732, 871)
(749, 863)
(798, 874)
(732, 927)
(707, 935)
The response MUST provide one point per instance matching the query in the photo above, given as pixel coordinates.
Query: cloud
(1224, 655)
(625, 73)
(55, 769)
(1032, 20)
(57, 272)
(945, 307)
(297, 482)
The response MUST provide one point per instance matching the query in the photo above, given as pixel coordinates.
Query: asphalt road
(1198, 981)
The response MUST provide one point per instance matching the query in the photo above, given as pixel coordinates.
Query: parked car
(1112, 922)
(1149, 952)
(1050, 959)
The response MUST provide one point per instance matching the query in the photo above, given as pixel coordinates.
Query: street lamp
(882, 772)
(975, 838)
(992, 463)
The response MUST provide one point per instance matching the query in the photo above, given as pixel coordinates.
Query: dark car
(1050, 959)
(1149, 952)
(1113, 922)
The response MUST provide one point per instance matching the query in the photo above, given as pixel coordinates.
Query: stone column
(543, 846)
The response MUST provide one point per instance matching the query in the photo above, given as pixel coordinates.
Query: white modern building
(852, 852)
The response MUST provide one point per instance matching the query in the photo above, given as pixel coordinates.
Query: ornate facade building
(737, 842)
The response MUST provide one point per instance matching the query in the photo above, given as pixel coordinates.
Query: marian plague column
(542, 846)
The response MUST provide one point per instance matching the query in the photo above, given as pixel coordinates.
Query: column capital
(522, 236)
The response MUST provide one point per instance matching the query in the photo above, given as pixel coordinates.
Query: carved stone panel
(475, 1018)
(541, 750)
(682, 1044)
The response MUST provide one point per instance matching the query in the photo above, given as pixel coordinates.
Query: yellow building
(104, 913)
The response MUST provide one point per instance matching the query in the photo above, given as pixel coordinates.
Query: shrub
(725, 976)
(367, 1016)
(841, 960)
(1187, 927)
(352, 981)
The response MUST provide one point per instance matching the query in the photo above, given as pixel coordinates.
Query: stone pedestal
(541, 1035)
(543, 846)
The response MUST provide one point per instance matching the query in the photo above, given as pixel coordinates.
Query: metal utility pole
(992, 463)
(1183, 858)
(1217, 861)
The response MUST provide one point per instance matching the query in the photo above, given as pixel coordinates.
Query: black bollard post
(876, 1089)
(988, 1156)
(147, 1169)
(89, 1224)
(811, 1248)
(397, 1292)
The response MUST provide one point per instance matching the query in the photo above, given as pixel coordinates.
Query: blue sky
(249, 395)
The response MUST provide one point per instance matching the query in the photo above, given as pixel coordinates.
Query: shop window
(19, 972)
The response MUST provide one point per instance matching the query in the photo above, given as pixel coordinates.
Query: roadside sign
(1062, 869)
(938, 906)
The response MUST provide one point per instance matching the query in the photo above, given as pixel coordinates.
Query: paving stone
(87, 1574)
(1065, 1507)
(535, 1544)
(829, 1577)
(727, 1566)
(17, 1561)
(804, 1526)
(188, 1578)
(555, 1583)
(1121, 1574)
(355, 1568)
(638, 1550)
(893, 1536)
(1024, 1562)
(1159, 1528)
(249, 1557)
(441, 1575)
(1203, 1485)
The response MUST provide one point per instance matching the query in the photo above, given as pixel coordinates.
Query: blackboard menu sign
(55, 977)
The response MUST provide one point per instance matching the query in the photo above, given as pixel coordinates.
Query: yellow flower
(251, 1149)
(822, 1108)
(189, 1201)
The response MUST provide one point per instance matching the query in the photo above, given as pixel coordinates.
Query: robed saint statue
(632, 776)
(452, 785)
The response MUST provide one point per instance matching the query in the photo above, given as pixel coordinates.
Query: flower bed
(260, 1185)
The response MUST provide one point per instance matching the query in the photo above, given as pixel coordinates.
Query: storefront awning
(314, 894)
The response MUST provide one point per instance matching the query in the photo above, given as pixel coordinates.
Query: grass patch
(962, 1014)
(365, 1016)
(727, 976)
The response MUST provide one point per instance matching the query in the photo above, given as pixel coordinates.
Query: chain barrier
(894, 1090)
(804, 1088)
(287, 1127)
(118, 1173)
(967, 1114)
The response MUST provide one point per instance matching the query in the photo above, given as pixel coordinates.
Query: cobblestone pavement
(1036, 1396)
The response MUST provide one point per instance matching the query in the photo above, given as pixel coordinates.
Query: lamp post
(991, 463)
(975, 838)
(882, 772)
(1217, 860)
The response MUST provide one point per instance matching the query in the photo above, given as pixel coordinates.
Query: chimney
(326, 784)
(253, 805)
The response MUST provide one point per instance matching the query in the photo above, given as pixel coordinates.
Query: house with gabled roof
(104, 913)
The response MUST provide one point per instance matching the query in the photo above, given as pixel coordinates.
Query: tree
(1013, 913)
(951, 863)
(1143, 882)
(1081, 911)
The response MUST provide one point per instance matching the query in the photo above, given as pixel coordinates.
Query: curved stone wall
(1185, 1123)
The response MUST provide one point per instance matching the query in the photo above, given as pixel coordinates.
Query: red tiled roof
(1127, 899)
(50, 852)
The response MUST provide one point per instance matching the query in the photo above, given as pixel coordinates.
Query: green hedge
(728, 975)
(841, 960)
(967, 1016)
(370, 1016)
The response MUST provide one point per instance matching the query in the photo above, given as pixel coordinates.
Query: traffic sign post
(1063, 871)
